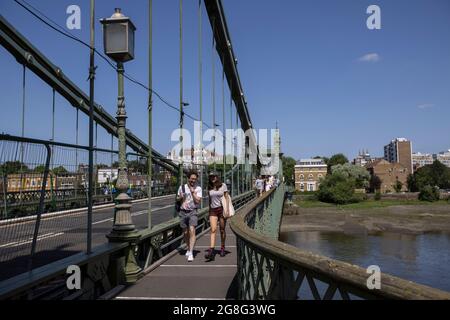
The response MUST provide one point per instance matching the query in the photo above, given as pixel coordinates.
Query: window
(302, 177)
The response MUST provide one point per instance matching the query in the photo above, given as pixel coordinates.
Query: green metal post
(91, 127)
(124, 229)
(223, 121)
(150, 109)
(214, 89)
(123, 222)
(181, 93)
(200, 67)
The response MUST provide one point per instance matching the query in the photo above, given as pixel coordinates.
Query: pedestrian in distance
(259, 184)
(216, 190)
(190, 195)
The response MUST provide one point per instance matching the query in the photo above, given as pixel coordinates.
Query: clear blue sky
(300, 64)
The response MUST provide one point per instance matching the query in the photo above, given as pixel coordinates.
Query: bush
(398, 186)
(429, 193)
(377, 196)
(338, 189)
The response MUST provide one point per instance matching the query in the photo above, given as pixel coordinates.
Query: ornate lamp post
(118, 40)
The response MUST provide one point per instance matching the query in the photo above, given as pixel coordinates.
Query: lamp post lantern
(118, 40)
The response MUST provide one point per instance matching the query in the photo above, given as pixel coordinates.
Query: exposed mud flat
(407, 219)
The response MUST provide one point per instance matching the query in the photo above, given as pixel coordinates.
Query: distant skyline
(313, 66)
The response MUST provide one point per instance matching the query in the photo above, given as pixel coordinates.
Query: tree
(11, 167)
(374, 183)
(398, 186)
(335, 160)
(359, 174)
(429, 193)
(436, 174)
(59, 170)
(288, 170)
(325, 159)
(412, 183)
(337, 188)
(137, 166)
(39, 169)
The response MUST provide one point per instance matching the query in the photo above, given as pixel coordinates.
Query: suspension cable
(200, 67)
(181, 94)
(213, 89)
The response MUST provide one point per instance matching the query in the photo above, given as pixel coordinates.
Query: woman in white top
(216, 190)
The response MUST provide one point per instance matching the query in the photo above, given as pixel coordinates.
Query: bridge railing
(105, 269)
(270, 269)
(42, 185)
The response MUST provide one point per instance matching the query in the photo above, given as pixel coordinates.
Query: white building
(194, 156)
(444, 157)
(421, 159)
(363, 158)
(107, 175)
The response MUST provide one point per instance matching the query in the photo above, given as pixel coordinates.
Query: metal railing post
(41, 207)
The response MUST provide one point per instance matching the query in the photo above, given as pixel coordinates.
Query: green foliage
(39, 169)
(59, 170)
(398, 186)
(375, 183)
(412, 183)
(11, 167)
(288, 170)
(357, 173)
(138, 166)
(335, 160)
(436, 174)
(377, 196)
(429, 193)
(339, 189)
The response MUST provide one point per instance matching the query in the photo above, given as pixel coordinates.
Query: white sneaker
(191, 258)
(188, 253)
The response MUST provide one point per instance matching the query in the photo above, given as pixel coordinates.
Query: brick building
(389, 173)
(308, 173)
(399, 151)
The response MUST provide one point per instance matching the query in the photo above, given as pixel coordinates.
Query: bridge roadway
(178, 279)
(64, 235)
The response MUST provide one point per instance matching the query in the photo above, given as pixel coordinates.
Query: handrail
(342, 276)
(102, 269)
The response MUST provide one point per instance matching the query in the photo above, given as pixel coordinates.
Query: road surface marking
(134, 214)
(71, 214)
(43, 237)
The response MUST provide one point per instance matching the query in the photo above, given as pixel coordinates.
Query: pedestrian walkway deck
(178, 279)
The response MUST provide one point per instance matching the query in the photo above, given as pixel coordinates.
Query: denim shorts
(188, 218)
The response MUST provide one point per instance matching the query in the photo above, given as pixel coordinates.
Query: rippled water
(424, 258)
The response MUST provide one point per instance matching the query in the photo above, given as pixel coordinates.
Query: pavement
(178, 279)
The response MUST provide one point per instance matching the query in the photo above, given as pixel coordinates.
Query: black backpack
(179, 202)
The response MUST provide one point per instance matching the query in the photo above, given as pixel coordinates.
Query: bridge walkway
(178, 279)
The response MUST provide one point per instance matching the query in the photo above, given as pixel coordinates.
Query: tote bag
(228, 209)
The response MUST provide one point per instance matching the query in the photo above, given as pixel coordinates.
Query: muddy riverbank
(404, 219)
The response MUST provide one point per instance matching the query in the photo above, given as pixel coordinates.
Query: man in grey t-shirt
(192, 196)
